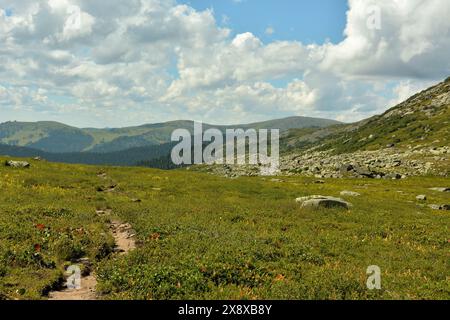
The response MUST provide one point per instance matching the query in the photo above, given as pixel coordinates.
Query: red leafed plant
(40, 226)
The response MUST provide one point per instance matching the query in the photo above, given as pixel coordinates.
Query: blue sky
(301, 20)
(119, 63)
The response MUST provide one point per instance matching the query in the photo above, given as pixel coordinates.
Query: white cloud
(153, 60)
(413, 40)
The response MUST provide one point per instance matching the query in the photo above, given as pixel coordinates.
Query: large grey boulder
(315, 202)
(364, 172)
(303, 199)
(17, 164)
(350, 193)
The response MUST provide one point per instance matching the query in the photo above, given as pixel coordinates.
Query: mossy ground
(207, 237)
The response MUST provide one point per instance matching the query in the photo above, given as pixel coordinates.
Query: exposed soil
(123, 236)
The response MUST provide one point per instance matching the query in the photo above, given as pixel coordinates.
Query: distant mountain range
(422, 120)
(56, 137)
(147, 145)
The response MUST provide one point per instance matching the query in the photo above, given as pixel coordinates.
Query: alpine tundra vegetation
(320, 170)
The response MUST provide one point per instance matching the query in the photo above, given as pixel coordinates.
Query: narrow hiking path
(124, 242)
(123, 236)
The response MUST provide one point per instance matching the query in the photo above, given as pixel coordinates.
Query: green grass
(207, 237)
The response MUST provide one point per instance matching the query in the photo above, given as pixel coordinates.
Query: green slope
(422, 120)
(48, 136)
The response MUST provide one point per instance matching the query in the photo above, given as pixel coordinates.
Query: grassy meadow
(207, 237)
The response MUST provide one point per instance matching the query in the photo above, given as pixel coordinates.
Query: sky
(272, 20)
(95, 63)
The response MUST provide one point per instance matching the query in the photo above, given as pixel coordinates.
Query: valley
(347, 196)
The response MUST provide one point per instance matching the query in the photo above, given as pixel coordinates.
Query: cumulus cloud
(412, 41)
(119, 63)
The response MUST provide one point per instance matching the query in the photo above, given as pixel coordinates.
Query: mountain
(423, 119)
(60, 138)
(48, 136)
(412, 138)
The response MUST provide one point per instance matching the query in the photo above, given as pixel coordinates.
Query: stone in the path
(316, 202)
(17, 164)
(350, 193)
(421, 197)
(102, 175)
(109, 188)
(103, 211)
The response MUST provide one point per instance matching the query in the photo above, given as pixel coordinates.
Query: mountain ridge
(57, 137)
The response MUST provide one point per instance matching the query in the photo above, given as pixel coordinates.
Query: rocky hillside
(423, 120)
(410, 139)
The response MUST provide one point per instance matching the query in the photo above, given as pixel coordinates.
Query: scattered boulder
(441, 189)
(393, 176)
(445, 207)
(101, 212)
(316, 202)
(350, 193)
(346, 168)
(364, 172)
(303, 199)
(109, 188)
(17, 164)
(102, 175)
(421, 197)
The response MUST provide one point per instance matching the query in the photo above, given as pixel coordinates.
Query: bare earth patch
(123, 236)
(87, 291)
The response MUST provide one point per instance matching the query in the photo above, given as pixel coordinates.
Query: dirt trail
(87, 291)
(123, 237)
(125, 242)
